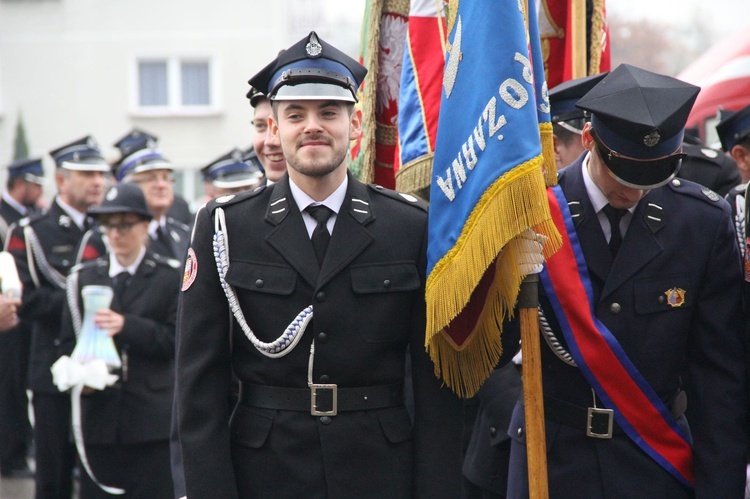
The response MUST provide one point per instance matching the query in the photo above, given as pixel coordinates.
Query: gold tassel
(597, 32)
(505, 210)
(414, 177)
(548, 153)
(368, 93)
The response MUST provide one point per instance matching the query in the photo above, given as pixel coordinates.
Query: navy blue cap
(29, 169)
(82, 155)
(135, 140)
(734, 127)
(251, 157)
(231, 171)
(139, 154)
(564, 97)
(122, 198)
(255, 96)
(638, 119)
(311, 69)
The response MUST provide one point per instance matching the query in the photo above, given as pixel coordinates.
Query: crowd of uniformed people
(273, 346)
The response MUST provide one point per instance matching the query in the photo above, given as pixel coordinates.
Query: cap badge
(91, 143)
(237, 155)
(675, 297)
(151, 143)
(652, 138)
(112, 194)
(313, 47)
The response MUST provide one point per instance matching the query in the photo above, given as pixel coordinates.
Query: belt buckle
(596, 413)
(314, 388)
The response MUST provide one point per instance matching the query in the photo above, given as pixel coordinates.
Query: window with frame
(175, 85)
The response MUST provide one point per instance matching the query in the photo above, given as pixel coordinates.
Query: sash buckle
(323, 399)
(599, 422)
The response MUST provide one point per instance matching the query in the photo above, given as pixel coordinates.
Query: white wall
(68, 67)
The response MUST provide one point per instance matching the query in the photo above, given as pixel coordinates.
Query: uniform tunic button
(321, 296)
(324, 378)
(259, 283)
(615, 308)
(322, 337)
(493, 431)
(65, 263)
(387, 283)
(325, 420)
(661, 300)
(519, 432)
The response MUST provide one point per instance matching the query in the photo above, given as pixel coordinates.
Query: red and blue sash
(637, 408)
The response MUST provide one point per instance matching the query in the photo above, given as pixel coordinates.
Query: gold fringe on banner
(505, 210)
(597, 31)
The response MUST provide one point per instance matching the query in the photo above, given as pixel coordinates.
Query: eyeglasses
(122, 227)
(150, 178)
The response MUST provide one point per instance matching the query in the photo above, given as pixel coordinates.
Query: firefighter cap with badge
(564, 97)
(311, 69)
(80, 155)
(637, 123)
(139, 152)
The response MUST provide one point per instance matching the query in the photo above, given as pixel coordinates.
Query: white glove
(530, 256)
(67, 373)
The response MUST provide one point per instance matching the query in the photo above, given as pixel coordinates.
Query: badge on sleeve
(191, 270)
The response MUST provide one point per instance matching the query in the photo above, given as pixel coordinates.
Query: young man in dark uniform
(45, 247)
(321, 411)
(644, 310)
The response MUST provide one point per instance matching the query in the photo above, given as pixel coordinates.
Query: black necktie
(120, 282)
(614, 215)
(320, 235)
(161, 236)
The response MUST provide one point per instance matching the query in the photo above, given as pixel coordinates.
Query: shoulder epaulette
(231, 199)
(695, 190)
(169, 262)
(399, 196)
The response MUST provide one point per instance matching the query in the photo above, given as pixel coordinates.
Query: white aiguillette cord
(75, 399)
(69, 374)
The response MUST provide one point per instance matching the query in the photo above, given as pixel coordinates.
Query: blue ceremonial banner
(488, 183)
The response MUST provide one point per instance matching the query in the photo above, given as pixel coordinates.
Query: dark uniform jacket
(368, 301)
(43, 285)
(175, 240)
(681, 236)
(138, 408)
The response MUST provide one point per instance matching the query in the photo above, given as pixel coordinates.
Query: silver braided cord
(293, 333)
(739, 222)
(553, 342)
(71, 292)
(52, 275)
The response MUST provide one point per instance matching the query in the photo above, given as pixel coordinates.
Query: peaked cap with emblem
(564, 97)
(311, 69)
(82, 155)
(29, 169)
(138, 150)
(638, 119)
(231, 171)
(122, 198)
(734, 127)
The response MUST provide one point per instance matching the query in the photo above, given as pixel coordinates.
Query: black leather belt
(597, 422)
(322, 399)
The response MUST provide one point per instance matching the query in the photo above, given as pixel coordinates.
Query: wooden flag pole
(533, 396)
